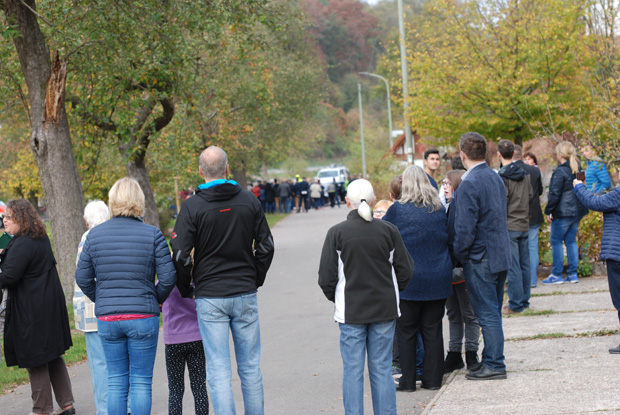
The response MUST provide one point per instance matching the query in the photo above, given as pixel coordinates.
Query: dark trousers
(303, 199)
(177, 355)
(45, 377)
(613, 278)
(424, 316)
(333, 199)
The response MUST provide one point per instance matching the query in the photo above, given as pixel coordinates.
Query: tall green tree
(504, 68)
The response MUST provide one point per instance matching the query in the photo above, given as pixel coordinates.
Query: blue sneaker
(573, 279)
(553, 279)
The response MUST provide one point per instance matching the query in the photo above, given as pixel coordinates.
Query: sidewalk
(558, 363)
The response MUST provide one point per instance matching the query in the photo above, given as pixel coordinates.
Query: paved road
(557, 361)
(301, 362)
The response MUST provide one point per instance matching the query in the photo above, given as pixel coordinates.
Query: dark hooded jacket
(518, 195)
(232, 243)
(562, 201)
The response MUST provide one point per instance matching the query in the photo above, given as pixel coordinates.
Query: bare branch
(37, 14)
(90, 117)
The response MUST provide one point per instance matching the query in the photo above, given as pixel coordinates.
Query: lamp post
(389, 104)
(359, 97)
(403, 64)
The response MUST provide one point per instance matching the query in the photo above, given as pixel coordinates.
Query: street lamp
(409, 144)
(389, 104)
(359, 98)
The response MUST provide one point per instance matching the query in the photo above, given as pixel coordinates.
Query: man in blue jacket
(482, 245)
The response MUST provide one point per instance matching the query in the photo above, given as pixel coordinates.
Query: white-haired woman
(358, 261)
(422, 222)
(564, 211)
(95, 213)
(116, 270)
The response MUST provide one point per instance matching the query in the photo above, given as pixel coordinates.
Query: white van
(340, 173)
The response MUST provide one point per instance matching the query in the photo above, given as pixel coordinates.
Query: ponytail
(364, 210)
(574, 164)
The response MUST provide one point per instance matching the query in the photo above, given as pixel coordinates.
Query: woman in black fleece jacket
(364, 264)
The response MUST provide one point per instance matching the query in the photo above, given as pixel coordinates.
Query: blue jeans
(486, 292)
(98, 371)
(285, 204)
(216, 318)
(519, 278)
(565, 230)
(532, 241)
(130, 347)
(355, 341)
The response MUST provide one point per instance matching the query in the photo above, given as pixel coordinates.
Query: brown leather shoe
(508, 311)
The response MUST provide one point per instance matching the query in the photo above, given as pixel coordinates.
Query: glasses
(446, 183)
(9, 217)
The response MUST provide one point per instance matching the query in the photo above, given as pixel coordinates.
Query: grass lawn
(14, 376)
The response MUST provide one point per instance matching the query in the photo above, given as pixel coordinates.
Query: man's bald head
(213, 163)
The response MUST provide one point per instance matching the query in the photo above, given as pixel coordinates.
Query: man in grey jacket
(518, 194)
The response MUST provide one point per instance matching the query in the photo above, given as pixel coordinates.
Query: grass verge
(274, 218)
(567, 293)
(11, 377)
(598, 333)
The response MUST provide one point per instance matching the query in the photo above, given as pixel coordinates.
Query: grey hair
(95, 213)
(361, 195)
(213, 161)
(417, 189)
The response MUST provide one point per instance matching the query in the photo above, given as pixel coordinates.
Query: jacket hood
(220, 192)
(512, 172)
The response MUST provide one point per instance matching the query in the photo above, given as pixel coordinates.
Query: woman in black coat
(37, 331)
(564, 211)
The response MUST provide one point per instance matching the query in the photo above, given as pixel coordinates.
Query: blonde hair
(417, 189)
(126, 198)
(383, 204)
(566, 150)
(361, 195)
(381, 208)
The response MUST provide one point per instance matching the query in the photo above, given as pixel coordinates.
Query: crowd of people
(392, 272)
(300, 194)
(466, 240)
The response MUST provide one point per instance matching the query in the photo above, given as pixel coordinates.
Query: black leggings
(176, 356)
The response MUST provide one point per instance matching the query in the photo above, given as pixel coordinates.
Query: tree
(345, 34)
(504, 68)
(50, 138)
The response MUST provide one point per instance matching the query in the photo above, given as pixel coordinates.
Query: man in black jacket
(226, 228)
(536, 215)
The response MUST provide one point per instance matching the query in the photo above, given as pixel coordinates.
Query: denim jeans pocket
(250, 307)
(211, 309)
(142, 328)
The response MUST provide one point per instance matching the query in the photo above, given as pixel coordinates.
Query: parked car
(340, 173)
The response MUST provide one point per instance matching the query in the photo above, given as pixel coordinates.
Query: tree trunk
(136, 169)
(239, 174)
(50, 138)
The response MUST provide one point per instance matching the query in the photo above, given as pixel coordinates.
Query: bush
(584, 268)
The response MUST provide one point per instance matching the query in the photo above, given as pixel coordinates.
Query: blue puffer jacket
(118, 264)
(609, 204)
